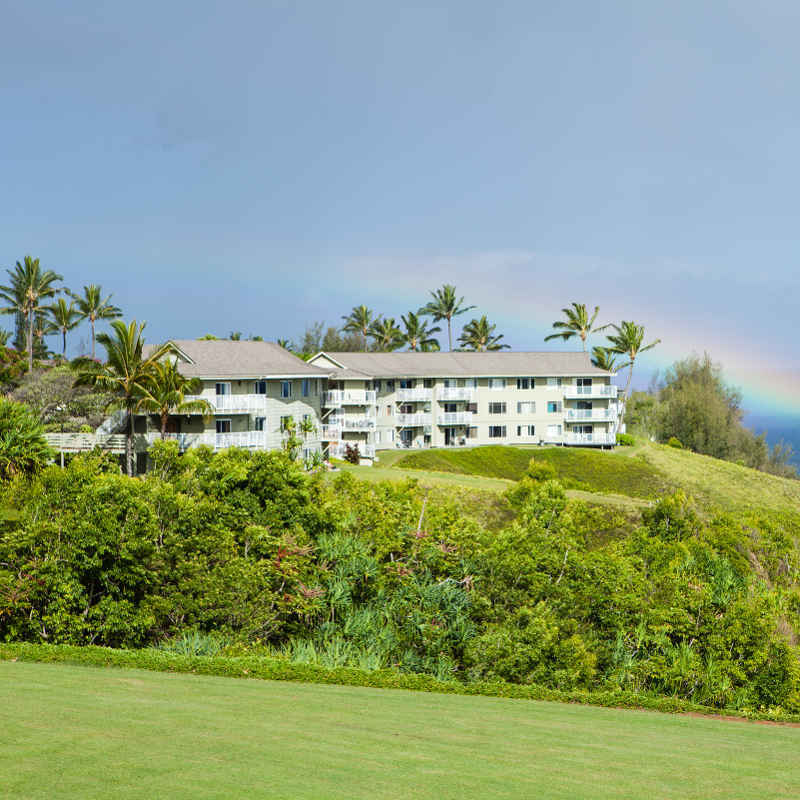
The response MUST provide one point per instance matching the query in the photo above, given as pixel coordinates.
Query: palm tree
(386, 334)
(236, 336)
(65, 318)
(578, 323)
(445, 305)
(125, 374)
(286, 344)
(479, 335)
(627, 341)
(93, 306)
(603, 358)
(418, 336)
(29, 285)
(359, 321)
(165, 391)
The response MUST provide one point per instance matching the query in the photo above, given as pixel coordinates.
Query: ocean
(779, 429)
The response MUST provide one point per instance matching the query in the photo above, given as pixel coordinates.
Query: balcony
(453, 393)
(349, 397)
(455, 418)
(232, 403)
(414, 395)
(250, 440)
(591, 414)
(338, 450)
(330, 433)
(595, 390)
(413, 420)
(361, 423)
(590, 439)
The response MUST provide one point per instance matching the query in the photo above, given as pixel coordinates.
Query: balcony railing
(418, 395)
(592, 414)
(455, 418)
(349, 397)
(451, 393)
(413, 420)
(232, 403)
(595, 390)
(251, 440)
(590, 438)
(364, 423)
(331, 433)
(77, 442)
(338, 450)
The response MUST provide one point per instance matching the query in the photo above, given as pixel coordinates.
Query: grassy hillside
(184, 736)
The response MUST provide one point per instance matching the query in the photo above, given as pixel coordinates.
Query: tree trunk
(164, 418)
(30, 340)
(92, 321)
(628, 384)
(129, 446)
(449, 334)
(64, 337)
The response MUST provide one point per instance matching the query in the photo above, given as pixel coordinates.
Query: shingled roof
(223, 358)
(462, 364)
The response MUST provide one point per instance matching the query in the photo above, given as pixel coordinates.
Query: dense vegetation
(241, 553)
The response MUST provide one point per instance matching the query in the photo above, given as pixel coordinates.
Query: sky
(256, 166)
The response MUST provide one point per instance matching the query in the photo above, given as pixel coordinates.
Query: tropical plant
(65, 318)
(577, 323)
(235, 336)
(164, 393)
(4, 337)
(126, 372)
(445, 305)
(386, 335)
(359, 321)
(417, 335)
(291, 441)
(93, 306)
(23, 449)
(603, 358)
(28, 287)
(628, 341)
(286, 344)
(479, 335)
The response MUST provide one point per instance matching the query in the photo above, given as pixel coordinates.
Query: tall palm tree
(418, 336)
(627, 341)
(578, 323)
(93, 306)
(445, 305)
(165, 391)
(386, 334)
(603, 358)
(359, 321)
(125, 374)
(479, 335)
(65, 318)
(28, 287)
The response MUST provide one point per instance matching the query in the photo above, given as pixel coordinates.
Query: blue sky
(254, 166)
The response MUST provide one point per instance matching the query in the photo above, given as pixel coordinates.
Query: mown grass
(581, 469)
(79, 732)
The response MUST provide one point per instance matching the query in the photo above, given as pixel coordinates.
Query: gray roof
(222, 358)
(462, 364)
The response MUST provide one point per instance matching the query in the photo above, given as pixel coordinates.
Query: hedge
(279, 670)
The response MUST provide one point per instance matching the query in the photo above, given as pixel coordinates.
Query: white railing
(330, 433)
(454, 418)
(457, 393)
(349, 397)
(418, 395)
(338, 450)
(77, 442)
(364, 423)
(595, 390)
(597, 414)
(590, 438)
(251, 440)
(413, 420)
(232, 403)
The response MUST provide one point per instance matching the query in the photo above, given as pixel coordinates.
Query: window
(260, 423)
(497, 431)
(305, 387)
(526, 430)
(554, 406)
(471, 383)
(472, 432)
(389, 386)
(406, 408)
(285, 423)
(553, 383)
(584, 385)
(448, 382)
(406, 383)
(472, 407)
(376, 385)
(523, 383)
(223, 426)
(259, 387)
(497, 383)
(497, 408)
(526, 407)
(223, 388)
(553, 431)
(428, 383)
(582, 428)
(286, 389)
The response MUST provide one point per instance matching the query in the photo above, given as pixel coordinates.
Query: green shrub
(23, 449)
(675, 442)
(626, 440)
(85, 429)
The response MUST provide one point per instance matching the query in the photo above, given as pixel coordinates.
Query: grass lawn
(109, 733)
